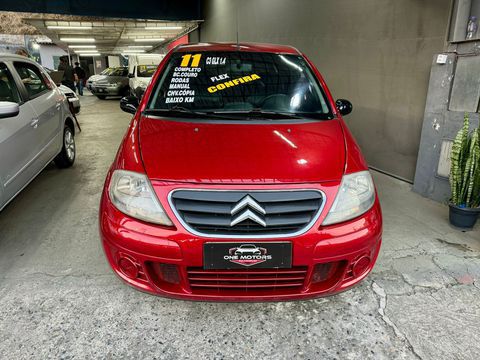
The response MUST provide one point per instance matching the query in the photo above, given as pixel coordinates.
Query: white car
(140, 71)
(36, 125)
(91, 80)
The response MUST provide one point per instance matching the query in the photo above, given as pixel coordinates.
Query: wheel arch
(69, 122)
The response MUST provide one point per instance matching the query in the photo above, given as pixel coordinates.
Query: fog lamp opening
(361, 266)
(128, 267)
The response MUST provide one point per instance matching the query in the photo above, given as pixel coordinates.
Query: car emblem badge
(247, 203)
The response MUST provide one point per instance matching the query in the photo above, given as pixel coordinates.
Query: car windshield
(238, 82)
(121, 71)
(146, 70)
(107, 71)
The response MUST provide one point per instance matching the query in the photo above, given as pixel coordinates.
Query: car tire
(101, 97)
(66, 157)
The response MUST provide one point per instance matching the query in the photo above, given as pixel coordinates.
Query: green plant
(465, 167)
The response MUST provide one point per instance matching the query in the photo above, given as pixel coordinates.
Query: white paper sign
(441, 59)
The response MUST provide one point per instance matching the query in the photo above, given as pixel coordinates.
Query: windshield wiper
(264, 114)
(183, 111)
(174, 109)
(243, 115)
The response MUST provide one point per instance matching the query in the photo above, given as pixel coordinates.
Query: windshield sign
(120, 71)
(146, 70)
(236, 82)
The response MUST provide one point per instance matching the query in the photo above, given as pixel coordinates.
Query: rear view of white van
(140, 71)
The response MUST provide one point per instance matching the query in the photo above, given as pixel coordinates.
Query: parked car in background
(236, 146)
(140, 71)
(36, 125)
(114, 83)
(92, 78)
(71, 97)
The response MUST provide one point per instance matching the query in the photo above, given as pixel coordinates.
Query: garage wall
(376, 53)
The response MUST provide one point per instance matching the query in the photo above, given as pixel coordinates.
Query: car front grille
(247, 280)
(247, 213)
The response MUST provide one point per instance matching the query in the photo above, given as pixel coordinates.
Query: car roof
(9, 56)
(247, 47)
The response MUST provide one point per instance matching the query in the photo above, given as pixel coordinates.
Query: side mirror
(345, 107)
(8, 109)
(131, 75)
(129, 104)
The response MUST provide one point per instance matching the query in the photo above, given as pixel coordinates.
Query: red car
(238, 180)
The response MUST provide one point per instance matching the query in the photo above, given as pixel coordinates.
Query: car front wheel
(66, 157)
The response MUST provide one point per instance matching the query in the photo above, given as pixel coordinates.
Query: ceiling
(109, 36)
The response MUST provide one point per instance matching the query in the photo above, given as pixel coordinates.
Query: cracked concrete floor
(59, 299)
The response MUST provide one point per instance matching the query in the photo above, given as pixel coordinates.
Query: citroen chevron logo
(247, 203)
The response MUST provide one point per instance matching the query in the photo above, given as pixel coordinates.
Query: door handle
(58, 105)
(34, 123)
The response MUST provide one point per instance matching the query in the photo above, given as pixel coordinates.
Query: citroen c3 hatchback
(238, 180)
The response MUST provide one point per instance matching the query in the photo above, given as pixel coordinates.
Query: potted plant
(465, 177)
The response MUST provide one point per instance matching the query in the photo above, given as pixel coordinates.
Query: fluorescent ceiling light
(163, 28)
(86, 51)
(82, 46)
(66, 27)
(134, 51)
(96, 54)
(149, 40)
(77, 39)
(140, 46)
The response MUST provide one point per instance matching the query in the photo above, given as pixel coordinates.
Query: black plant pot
(464, 218)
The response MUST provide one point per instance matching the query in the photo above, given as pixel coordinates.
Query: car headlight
(355, 197)
(133, 195)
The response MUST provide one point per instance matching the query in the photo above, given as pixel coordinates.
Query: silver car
(36, 125)
(94, 78)
(114, 83)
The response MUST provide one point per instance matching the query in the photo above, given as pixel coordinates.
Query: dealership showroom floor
(59, 299)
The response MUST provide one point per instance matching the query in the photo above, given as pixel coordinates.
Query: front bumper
(169, 261)
(106, 91)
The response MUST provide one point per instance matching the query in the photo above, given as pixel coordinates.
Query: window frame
(13, 74)
(22, 85)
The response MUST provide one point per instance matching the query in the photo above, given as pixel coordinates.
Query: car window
(106, 71)
(240, 81)
(146, 70)
(8, 88)
(119, 72)
(32, 78)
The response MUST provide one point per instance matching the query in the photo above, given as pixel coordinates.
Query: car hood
(226, 152)
(107, 79)
(94, 77)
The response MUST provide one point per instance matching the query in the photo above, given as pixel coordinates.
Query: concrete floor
(59, 299)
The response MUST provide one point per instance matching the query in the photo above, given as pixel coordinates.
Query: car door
(47, 103)
(17, 139)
